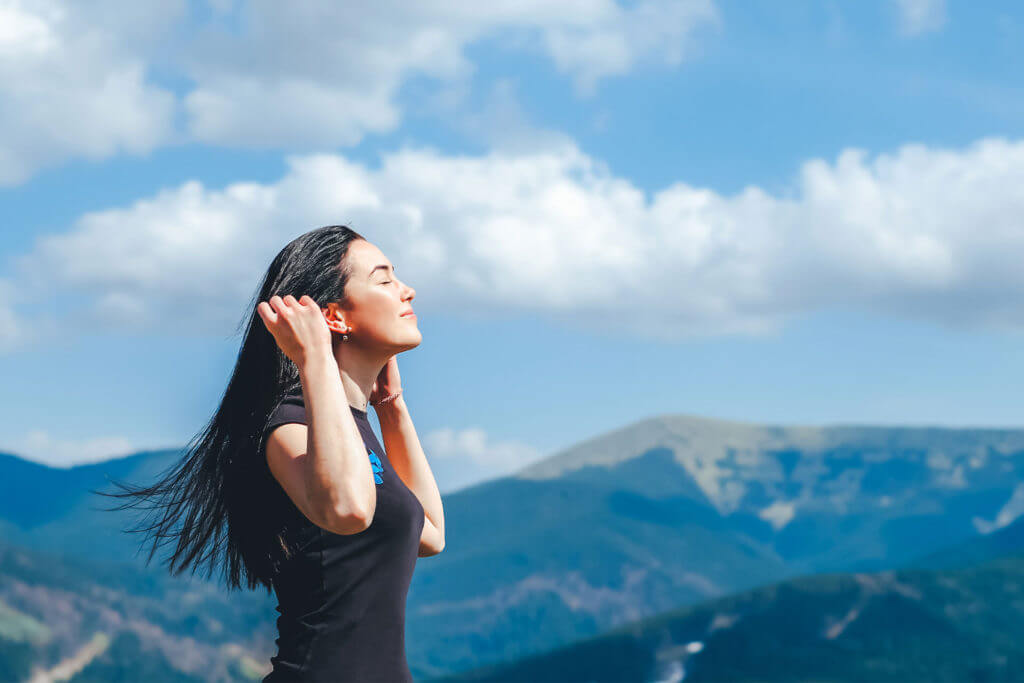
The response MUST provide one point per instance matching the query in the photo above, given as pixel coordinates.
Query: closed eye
(385, 282)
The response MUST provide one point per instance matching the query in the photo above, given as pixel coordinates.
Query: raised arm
(322, 466)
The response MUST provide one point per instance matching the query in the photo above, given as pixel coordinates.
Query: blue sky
(801, 212)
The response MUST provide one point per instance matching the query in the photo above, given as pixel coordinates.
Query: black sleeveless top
(341, 598)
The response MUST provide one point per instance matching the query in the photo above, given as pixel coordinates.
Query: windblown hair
(220, 504)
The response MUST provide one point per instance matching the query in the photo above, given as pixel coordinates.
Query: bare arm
(314, 463)
(338, 474)
(322, 466)
(407, 457)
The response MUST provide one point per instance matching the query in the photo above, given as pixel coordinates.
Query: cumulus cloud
(186, 254)
(19, 327)
(931, 234)
(609, 40)
(327, 73)
(502, 124)
(12, 328)
(73, 82)
(475, 446)
(920, 16)
(42, 447)
(461, 457)
(92, 80)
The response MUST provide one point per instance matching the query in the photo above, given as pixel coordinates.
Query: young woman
(288, 483)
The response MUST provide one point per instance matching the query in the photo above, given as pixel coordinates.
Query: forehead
(365, 255)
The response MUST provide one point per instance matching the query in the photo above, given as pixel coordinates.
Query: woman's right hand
(298, 327)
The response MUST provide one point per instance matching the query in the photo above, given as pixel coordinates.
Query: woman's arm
(338, 473)
(407, 457)
(322, 467)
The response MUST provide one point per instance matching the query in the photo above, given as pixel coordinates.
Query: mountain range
(666, 514)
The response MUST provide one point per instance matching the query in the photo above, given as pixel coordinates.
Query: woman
(294, 490)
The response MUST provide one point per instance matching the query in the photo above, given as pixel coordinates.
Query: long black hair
(219, 503)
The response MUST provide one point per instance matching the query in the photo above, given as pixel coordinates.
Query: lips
(407, 314)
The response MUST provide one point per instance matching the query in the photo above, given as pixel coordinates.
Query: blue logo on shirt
(377, 467)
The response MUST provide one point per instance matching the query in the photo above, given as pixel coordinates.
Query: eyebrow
(380, 266)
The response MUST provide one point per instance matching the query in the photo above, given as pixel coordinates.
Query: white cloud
(323, 74)
(463, 457)
(39, 446)
(19, 329)
(501, 124)
(612, 41)
(73, 83)
(931, 234)
(473, 444)
(920, 16)
(12, 327)
(184, 255)
(77, 80)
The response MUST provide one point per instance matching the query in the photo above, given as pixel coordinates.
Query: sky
(807, 212)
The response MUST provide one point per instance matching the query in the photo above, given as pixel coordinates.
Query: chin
(409, 340)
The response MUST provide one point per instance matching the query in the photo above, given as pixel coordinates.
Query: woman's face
(377, 301)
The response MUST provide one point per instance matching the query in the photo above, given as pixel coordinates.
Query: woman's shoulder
(292, 394)
(292, 408)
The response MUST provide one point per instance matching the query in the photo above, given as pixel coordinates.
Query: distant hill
(50, 508)
(124, 624)
(909, 625)
(1005, 542)
(660, 514)
(674, 510)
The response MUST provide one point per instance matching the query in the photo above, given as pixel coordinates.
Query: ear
(334, 320)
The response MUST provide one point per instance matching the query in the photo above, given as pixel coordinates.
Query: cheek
(372, 300)
(382, 302)
(378, 309)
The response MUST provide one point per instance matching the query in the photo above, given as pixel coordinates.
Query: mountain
(106, 622)
(675, 510)
(1007, 541)
(660, 514)
(907, 625)
(50, 508)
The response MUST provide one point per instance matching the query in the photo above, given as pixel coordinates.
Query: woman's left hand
(388, 381)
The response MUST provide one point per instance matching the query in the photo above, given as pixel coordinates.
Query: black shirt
(341, 598)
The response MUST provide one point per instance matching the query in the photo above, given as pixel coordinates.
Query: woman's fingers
(266, 312)
(280, 305)
(298, 327)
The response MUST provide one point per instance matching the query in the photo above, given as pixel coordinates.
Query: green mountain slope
(123, 624)
(660, 514)
(909, 625)
(1007, 541)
